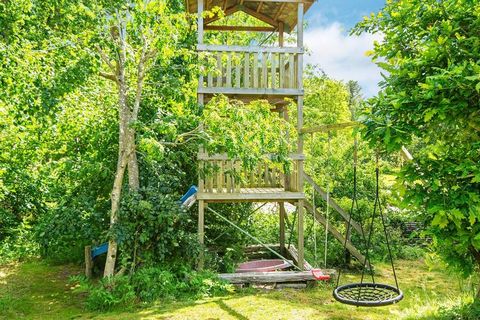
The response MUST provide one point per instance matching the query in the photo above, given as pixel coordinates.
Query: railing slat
(229, 70)
(281, 66)
(291, 67)
(273, 71)
(219, 70)
(237, 72)
(264, 70)
(255, 70)
(246, 74)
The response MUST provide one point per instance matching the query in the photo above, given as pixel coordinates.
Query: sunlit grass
(36, 290)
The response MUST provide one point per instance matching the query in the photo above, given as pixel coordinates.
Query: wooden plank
(273, 71)
(200, 21)
(333, 204)
(220, 183)
(252, 91)
(260, 16)
(201, 233)
(237, 165)
(246, 73)
(88, 262)
(239, 28)
(229, 175)
(210, 79)
(272, 277)
(281, 72)
(251, 49)
(264, 70)
(219, 70)
(237, 75)
(291, 67)
(282, 214)
(293, 252)
(228, 83)
(255, 70)
(349, 246)
(224, 156)
(300, 235)
(237, 195)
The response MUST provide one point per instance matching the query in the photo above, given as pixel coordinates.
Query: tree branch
(109, 76)
(105, 58)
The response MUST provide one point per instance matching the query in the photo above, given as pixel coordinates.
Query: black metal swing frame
(368, 294)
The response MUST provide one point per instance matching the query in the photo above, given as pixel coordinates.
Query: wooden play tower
(249, 73)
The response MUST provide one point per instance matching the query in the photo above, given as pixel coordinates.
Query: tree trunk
(133, 170)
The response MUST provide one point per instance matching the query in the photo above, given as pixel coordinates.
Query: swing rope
(369, 294)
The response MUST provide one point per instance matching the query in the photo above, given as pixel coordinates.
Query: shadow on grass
(230, 310)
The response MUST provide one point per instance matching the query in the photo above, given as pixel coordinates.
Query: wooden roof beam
(279, 11)
(260, 16)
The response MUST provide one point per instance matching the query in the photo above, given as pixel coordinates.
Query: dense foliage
(430, 103)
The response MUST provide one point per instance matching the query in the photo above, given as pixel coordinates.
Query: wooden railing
(220, 174)
(235, 69)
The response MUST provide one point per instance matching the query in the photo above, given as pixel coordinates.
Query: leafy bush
(153, 283)
(19, 244)
(177, 282)
(153, 228)
(109, 293)
(62, 233)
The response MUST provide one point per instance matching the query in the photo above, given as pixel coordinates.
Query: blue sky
(342, 56)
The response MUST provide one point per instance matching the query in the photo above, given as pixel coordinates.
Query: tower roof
(269, 11)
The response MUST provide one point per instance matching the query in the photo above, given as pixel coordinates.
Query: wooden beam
(279, 11)
(201, 233)
(246, 91)
(292, 250)
(260, 16)
(88, 262)
(224, 156)
(200, 21)
(282, 214)
(254, 197)
(251, 49)
(345, 215)
(300, 235)
(259, 7)
(349, 246)
(272, 277)
(330, 127)
(239, 28)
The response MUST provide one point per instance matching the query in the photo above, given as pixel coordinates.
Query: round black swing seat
(367, 294)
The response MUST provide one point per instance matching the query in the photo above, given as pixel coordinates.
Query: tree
(430, 101)
(139, 35)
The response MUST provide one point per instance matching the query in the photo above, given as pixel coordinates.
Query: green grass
(36, 290)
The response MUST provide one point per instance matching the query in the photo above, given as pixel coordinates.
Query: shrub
(111, 293)
(153, 283)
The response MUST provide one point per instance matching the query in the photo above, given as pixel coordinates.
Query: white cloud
(342, 56)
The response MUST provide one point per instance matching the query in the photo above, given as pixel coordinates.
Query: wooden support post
(282, 228)
(201, 233)
(301, 259)
(88, 262)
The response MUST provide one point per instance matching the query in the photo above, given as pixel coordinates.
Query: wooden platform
(251, 194)
(272, 277)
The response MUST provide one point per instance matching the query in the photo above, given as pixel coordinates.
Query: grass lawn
(36, 290)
